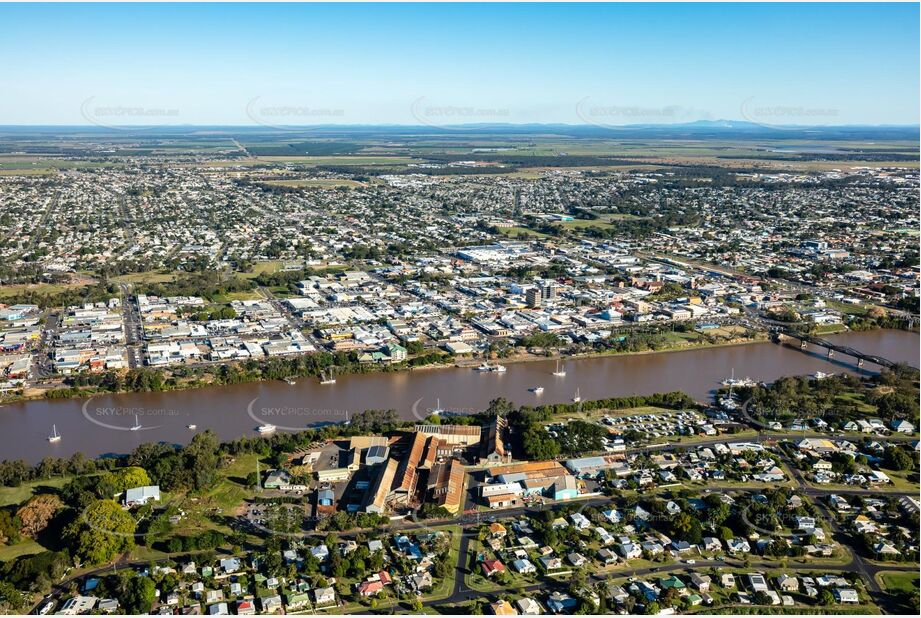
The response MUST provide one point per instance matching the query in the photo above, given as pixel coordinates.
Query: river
(102, 424)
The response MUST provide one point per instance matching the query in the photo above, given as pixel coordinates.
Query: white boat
(537, 390)
(560, 372)
(290, 381)
(821, 375)
(55, 436)
(487, 368)
(324, 379)
(577, 398)
(728, 403)
(731, 381)
(191, 426)
(137, 424)
(266, 428)
(437, 410)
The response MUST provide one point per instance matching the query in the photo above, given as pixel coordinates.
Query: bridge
(804, 339)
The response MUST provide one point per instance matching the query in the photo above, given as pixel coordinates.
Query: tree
(896, 458)
(137, 594)
(37, 513)
(125, 478)
(826, 597)
(12, 601)
(102, 531)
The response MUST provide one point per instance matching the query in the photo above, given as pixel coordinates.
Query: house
(78, 605)
(271, 604)
(422, 581)
(606, 556)
(245, 607)
(681, 546)
(559, 602)
(324, 596)
(738, 546)
(528, 607)
(491, 567)
(230, 565)
(497, 530)
(701, 582)
(576, 559)
(757, 582)
(276, 479)
(580, 521)
(711, 543)
(551, 563)
(213, 596)
(137, 496)
(672, 582)
(885, 549)
(502, 608)
(320, 552)
(901, 426)
(786, 583)
(630, 550)
(524, 566)
(370, 588)
(218, 609)
(846, 595)
(617, 593)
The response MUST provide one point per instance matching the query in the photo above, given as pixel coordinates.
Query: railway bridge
(785, 334)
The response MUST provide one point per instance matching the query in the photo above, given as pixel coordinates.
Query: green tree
(102, 531)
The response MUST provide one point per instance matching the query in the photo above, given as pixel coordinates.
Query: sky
(610, 64)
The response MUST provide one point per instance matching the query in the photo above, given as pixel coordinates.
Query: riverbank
(167, 375)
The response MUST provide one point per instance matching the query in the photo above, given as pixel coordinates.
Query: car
(690, 562)
(46, 608)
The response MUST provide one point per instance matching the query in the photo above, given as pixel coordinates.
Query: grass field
(515, 232)
(40, 288)
(150, 276)
(23, 548)
(231, 296)
(898, 581)
(17, 495)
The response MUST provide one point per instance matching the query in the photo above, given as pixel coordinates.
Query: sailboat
(55, 436)
(137, 424)
(577, 398)
(327, 380)
(437, 410)
(560, 372)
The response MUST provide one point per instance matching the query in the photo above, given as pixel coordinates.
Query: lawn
(150, 276)
(227, 297)
(24, 548)
(38, 288)
(515, 232)
(269, 266)
(18, 495)
(230, 491)
(898, 581)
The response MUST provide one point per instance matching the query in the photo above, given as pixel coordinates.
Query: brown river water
(101, 425)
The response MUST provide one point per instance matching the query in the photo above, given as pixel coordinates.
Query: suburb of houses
(149, 273)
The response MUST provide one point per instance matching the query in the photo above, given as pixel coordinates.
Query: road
(134, 330)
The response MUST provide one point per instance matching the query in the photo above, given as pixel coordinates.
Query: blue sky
(437, 64)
